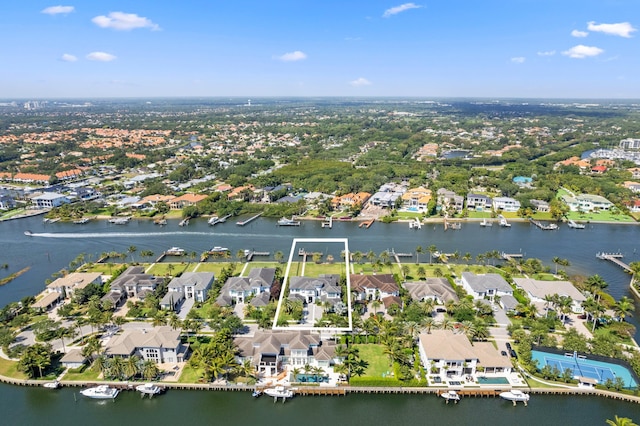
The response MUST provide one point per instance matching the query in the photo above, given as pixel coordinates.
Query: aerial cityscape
(427, 210)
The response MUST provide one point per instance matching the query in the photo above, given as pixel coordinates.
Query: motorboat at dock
(175, 251)
(100, 392)
(288, 222)
(149, 389)
(450, 396)
(515, 396)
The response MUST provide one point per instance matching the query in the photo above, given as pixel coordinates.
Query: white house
(68, 284)
(506, 204)
(238, 289)
(485, 286)
(437, 289)
(49, 200)
(537, 290)
(326, 288)
(191, 285)
(159, 344)
(447, 354)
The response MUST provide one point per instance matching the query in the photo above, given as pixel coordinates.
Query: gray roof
(326, 282)
(508, 302)
(130, 340)
(171, 298)
(135, 275)
(482, 283)
(540, 289)
(199, 280)
(257, 278)
(267, 342)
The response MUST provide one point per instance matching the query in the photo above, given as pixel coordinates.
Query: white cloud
(622, 29)
(579, 34)
(124, 21)
(581, 51)
(293, 56)
(100, 56)
(398, 9)
(547, 53)
(57, 10)
(68, 57)
(518, 59)
(360, 82)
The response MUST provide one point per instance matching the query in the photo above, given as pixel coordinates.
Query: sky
(253, 48)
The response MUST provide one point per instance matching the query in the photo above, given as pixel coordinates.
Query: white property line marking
(285, 284)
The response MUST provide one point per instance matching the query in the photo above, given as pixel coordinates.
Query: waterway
(55, 245)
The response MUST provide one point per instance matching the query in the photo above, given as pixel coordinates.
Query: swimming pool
(583, 367)
(493, 381)
(311, 378)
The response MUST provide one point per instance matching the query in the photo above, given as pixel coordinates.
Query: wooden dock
(544, 227)
(250, 255)
(615, 258)
(366, 224)
(251, 219)
(328, 223)
(509, 256)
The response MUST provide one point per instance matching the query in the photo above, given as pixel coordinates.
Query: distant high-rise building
(630, 143)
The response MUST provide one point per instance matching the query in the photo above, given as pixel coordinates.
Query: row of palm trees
(126, 368)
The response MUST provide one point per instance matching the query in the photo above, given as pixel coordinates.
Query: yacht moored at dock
(100, 392)
(175, 251)
(149, 389)
(450, 396)
(279, 392)
(515, 396)
(575, 225)
(119, 220)
(52, 385)
(288, 222)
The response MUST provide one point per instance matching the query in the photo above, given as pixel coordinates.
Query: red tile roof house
(186, 200)
(374, 287)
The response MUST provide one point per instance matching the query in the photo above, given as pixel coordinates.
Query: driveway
(185, 308)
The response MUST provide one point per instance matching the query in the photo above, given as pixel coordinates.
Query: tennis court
(583, 367)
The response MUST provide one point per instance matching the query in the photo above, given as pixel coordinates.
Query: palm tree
(371, 256)
(624, 307)
(621, 421)
(174, 321)
(131, 250)
(596, 284)
(357, 256)
(422, 273)
(278, 256)
(132, 366)
(150, 370)
(431, 249)
(116, 367)
(102, 365)
(467, 257)
(419, 250)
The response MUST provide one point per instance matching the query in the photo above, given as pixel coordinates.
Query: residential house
(239, 193)
(416, 198)
(490, 359)
(586, 202)
(47, 302)
(634, 186)
(447, 354)
(387, 195)
(479, 202)
(540, 206)
(325, 288)
(635, 172)
(73, 359)
(239, 289)
(373, 287)
(272, 352)
(537, 291)
(350, 200)
(485, 286)
(190, 285)
(448, 200)
(185, 200)
(506, 204)
(49, 200)
(134, 282)
(67, 285)
(7, 202)
(158, 344)
(437, 289)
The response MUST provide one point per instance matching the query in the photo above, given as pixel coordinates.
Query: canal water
(55, 245)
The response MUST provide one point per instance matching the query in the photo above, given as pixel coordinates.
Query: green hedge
(390, 383)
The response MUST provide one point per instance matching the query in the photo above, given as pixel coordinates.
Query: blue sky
(251, 48)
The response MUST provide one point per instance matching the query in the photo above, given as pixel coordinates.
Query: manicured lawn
(10, 369)
(190, 375)
(214, 267)
(378, 361)
(313, 269)
(89, 374)
(160, 269)
(12, 213)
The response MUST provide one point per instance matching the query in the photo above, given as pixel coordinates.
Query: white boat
(486, 223)
(515, 396)
(218, 249)
(450, 396)
(100, 392)
(279, 392)
(256, 393)
(52, 385)
(575, 225)
(288, 222)
(213, 220)
(81, 221)
(120, 220)
(175, 251)
(149, 389)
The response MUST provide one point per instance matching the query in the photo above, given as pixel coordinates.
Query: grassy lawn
(89, 374)
(603, 216)
(161, 269)
(190, 375)
(12, 213)
(313, 269)
(378, 361)
(10, 369)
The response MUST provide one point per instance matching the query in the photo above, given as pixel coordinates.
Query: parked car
(503, 353)
(514, 354)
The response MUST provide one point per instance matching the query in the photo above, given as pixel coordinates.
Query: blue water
(584, 367)
(493, 381)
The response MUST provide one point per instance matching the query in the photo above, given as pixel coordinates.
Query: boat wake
(146, 234)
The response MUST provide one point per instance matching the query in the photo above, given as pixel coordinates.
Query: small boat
(279, 392)
(160, 222)
(175, 251)
(575, 225)
(54, 220)
(28, 233)
(213, 220)
(288, 222)
(149, 389)
(184, 222)
(450, 396)
(486, 223)
(515, 396)
(120, 220)
(504, 223)
(218, 249)
(256, 393)
(100, 392)
(81, 221)
(52, 385)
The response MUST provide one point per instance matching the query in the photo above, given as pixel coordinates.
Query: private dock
(544, 227)
(251, 219)
(328, 222)
(184, 222)
(251, 253)
(415, 224)
(509, 256)
(397, 256)
(366, 224)
(615, 258)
